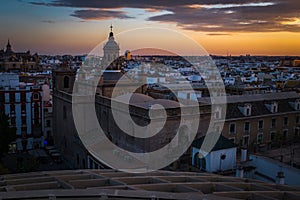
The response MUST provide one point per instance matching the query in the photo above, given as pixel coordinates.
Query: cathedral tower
(111, 50)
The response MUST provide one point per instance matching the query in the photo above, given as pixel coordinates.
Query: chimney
(239, 171)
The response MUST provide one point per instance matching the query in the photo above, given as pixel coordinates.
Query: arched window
(66, 82)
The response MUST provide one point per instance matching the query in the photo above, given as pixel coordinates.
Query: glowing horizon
(76, 27)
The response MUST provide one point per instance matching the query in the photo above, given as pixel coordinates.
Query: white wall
(228, 163)
(213, 159)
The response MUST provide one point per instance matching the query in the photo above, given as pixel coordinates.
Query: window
(247, 109)
(273, 123)
(23, 107)
(48, 123)
(246, 140)
(23, 120)
(285, 133)
(2, 97)
(12, 108)
(218, 113)
(297, 132)
(66, 82)
(232, 128)
(13, 121)
(77, 158)
(297, 106)
(260, 138)
(217, 129)
(232, 140)
(83, 163)
(247, 126)
(273, 135)
(91, 163)
(274, 107)
(183, 135)
(297, 119)
(260, 124)
(35, 96)
(23, 97)
(12, 97)
(285, 121)
(48, 134)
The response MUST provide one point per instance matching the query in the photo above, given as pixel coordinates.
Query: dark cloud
(217, 34)
(136, 3)
(99, 14)
(219, 18)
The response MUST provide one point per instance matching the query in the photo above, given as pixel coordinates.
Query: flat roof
(111, 184)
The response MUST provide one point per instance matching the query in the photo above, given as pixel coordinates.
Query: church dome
(111, 44)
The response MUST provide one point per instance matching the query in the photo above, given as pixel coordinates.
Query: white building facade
(23, 103)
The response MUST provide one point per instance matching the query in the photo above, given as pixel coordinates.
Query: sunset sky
(256, 27)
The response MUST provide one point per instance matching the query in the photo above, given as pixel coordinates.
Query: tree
(7, 134)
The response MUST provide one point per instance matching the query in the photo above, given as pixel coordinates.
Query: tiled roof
(258, 108)
(255, 97)
(222, 143)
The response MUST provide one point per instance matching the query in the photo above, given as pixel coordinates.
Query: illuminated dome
(110, 50)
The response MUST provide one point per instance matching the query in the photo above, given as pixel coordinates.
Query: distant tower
(111, 50)
(63, 78)
(8, 47)
(127, 55)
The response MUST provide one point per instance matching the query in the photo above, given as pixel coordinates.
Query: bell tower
(110, 50)
(8, 47)
(64, 78)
